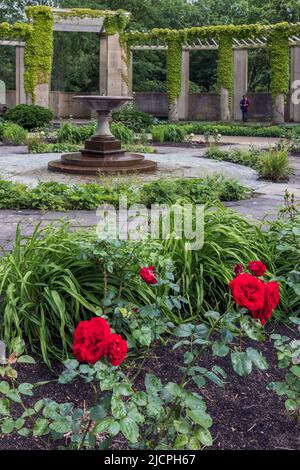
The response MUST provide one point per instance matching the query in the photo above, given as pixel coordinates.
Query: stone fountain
(102, 153)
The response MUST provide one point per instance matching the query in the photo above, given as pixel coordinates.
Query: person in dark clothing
(244, 106)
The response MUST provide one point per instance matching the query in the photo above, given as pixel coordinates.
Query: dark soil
(246, 416)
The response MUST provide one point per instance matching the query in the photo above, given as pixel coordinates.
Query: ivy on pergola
(276, 37)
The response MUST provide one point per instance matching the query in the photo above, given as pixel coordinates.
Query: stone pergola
(240, 84)
(19, 47)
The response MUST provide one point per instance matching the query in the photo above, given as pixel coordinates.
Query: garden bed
(245, 414)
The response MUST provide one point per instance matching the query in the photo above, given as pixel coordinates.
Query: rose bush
(93, 340)
(257, 296)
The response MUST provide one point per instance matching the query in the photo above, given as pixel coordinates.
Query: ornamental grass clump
(274, 165)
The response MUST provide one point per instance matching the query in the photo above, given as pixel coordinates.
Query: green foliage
(204, 274)
(280, 59)
(38, 49)
(156, 415)
(227, 129)
(174, 63)
(37, 145)
(225, 65)
(274, 165)
(29, 116)
(168, 133)
(248, 158)
(135, 120)
(50, 282)
(288, 358)
(58, 196)
(13, 133)
(122, 133)
(73, 134)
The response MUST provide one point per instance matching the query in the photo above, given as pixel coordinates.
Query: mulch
(246, 416)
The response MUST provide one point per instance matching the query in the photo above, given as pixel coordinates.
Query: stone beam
(240, 84)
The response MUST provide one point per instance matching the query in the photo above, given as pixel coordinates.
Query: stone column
(113, 67)
(224, 105)
(240, 84)
(20, 92)
(183, 100)
(295, 84)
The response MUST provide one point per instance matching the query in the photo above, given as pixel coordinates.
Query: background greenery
(76, 55)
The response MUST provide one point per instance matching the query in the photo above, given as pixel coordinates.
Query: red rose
(238, 269)
(117, 349)
(257, 268)
(272, 297)
(148, 275)
(91, 340)
(248, 291)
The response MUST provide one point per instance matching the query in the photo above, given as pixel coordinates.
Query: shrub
(169, 133)
(13, 133)
(274, 165)
(73, 134)
(135, 120)
(29, 116)
(122, 133)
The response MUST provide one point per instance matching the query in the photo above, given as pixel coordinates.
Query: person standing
(244, 106)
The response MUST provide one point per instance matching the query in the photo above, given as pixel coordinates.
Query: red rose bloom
(257, 268)
(91, 340)
(272, 297)
(248, 291)
(238, 269)
(117, 349)
(148, 275)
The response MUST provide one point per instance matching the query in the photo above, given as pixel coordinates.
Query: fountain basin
(102, 153)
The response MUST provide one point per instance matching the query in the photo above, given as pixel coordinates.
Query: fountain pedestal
(102, 153)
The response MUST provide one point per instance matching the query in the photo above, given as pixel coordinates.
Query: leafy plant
(133, 119)
(13, 133)
(274, 165)
(288, 358)
(29, 116)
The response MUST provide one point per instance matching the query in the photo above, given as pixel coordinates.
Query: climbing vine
(18, 31)
(174, 62)
(225, 66)
(39, 49)
(278, 43)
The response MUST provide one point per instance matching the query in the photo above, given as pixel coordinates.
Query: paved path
(175, 162)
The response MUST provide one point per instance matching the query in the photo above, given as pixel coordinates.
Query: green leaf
(61, 426)
(214, 378)
(26, 360)
(97, 413)
(118, 408)
(14, 396)
(129, 429)
(114, 428)
(41, 427)
(4, 387)
(188, 357)
(200, 417)
(220, 349)
(184, 330)
(18, 346)
(257, 358)
(26, 389)
(174, 389)
(24, 432)
(252, 328)
(199, 380)
(194, 444)
(143, 335)
(291, 405)
(8, 426)
(140, 398)
(152, 384)
(103, 425)
(296, 371)
(241, 363)
(180, 442)
(124, 389)
(38, 406)
(204, 437)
